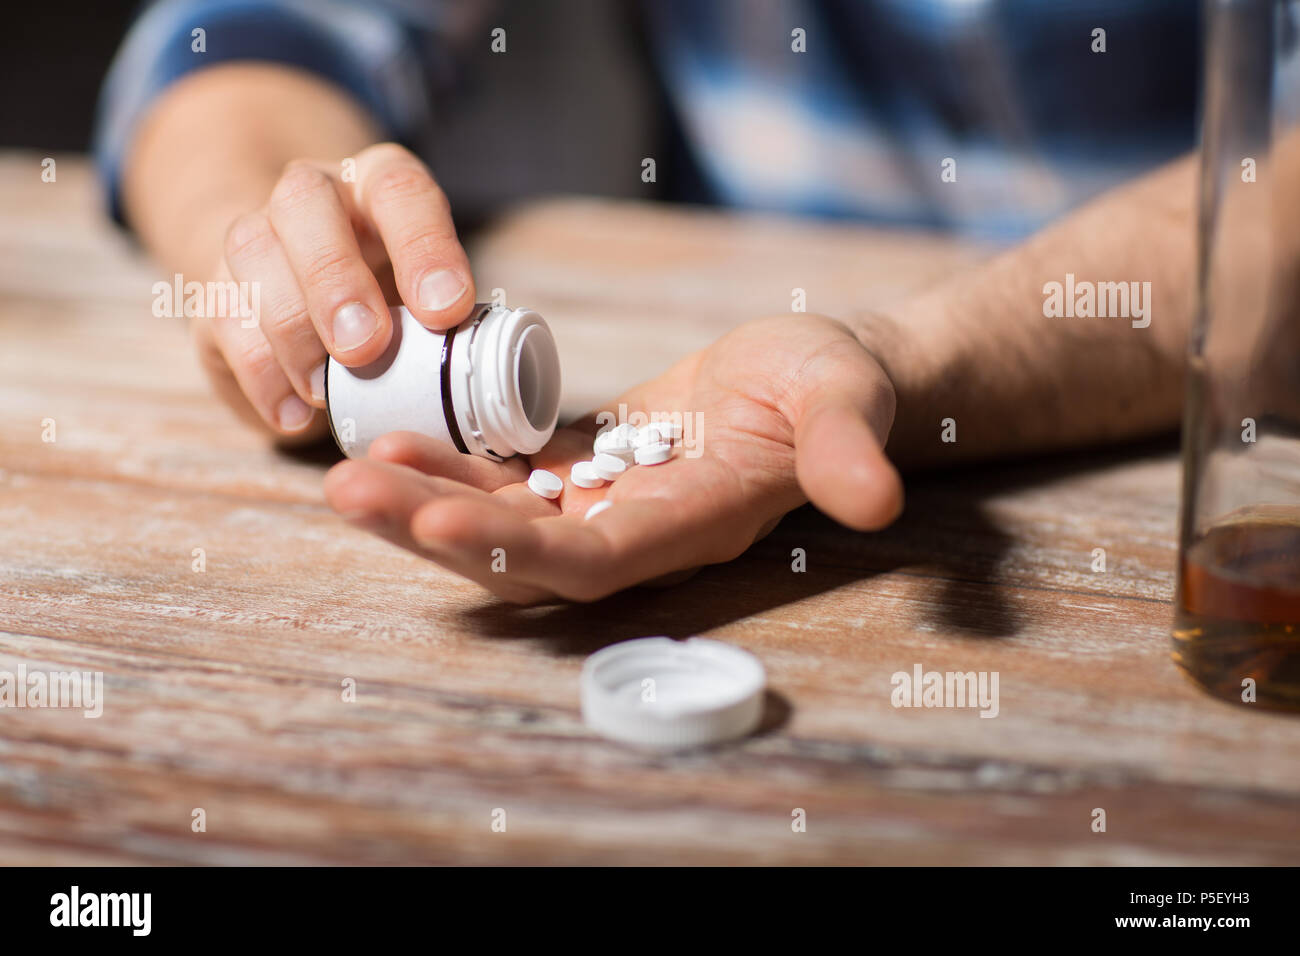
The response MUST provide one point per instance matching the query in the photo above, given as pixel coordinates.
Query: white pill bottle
(488, 387)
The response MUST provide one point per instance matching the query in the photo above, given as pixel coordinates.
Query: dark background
(53, 56)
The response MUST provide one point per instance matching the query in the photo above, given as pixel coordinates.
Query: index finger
(397, 193)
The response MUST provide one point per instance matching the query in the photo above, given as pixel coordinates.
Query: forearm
(980, 351)
(213, 145)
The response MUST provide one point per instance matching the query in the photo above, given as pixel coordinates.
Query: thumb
(840, 460)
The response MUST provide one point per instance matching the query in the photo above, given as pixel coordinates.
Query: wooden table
(223, 688)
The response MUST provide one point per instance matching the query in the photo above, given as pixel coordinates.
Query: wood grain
(223, 688)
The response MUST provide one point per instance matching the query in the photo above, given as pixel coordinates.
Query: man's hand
(791, 410)
(314, 250)
(328, 252)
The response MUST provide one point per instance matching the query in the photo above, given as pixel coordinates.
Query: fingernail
(317, 382)
(354, 324)
(440, 290)
(293, 414)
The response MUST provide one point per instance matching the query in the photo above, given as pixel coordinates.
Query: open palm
(790, 409)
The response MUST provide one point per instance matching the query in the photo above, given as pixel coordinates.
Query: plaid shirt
(858, 124)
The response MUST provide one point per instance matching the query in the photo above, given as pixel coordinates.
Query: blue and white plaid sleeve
(373, 50)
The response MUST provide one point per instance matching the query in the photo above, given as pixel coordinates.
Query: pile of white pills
(614, 451)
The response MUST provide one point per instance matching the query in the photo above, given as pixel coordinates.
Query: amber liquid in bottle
(1238, 612)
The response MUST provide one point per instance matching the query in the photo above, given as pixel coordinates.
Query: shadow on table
(323, 452)
(944, 534)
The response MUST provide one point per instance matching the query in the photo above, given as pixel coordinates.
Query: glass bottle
(1237, 627)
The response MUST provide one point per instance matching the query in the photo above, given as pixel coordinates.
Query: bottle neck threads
(504, 380)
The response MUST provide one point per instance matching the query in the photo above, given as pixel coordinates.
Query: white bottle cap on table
(662, 694)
